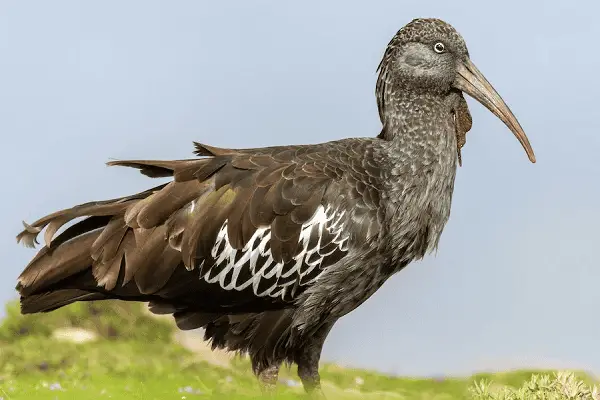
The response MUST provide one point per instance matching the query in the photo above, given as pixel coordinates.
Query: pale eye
(439, 47)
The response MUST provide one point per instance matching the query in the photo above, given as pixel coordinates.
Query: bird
(266, 248)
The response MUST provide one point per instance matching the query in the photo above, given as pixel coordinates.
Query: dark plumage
(266, 248)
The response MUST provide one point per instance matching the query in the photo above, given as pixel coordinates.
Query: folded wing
(240, 230)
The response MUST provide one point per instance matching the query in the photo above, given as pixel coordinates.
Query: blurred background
(515, 281)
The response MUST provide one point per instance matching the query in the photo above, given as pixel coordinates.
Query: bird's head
(429, 56)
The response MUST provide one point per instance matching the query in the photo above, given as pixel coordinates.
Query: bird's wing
(257, 224)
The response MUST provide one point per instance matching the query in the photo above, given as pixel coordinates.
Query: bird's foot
(315, 393)
(267, 379)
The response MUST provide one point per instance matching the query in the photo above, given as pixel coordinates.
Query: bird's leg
(308, 371)
(267, 378)
(308, 363)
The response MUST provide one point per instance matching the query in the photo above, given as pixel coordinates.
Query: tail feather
(118, 241)
(53, 222)
(180, 170)
(52, 265)
(45, 302)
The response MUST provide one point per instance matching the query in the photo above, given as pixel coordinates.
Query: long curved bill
(473, 83)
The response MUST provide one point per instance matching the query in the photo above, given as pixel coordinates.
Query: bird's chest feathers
(420, 185)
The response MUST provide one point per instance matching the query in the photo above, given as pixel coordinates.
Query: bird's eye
(439, 47)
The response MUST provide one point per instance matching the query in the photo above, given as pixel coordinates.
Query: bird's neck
(419, 129)
(419, 141)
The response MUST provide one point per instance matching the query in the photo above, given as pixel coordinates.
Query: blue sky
(515, 280)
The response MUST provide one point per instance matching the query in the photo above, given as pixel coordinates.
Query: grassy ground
(135, 357)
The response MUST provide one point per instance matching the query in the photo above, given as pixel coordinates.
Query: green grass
(135, 357)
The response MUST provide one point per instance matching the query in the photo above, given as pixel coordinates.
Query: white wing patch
(256, 256)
